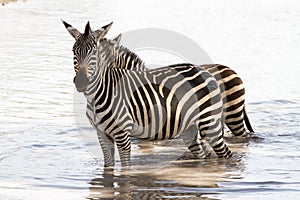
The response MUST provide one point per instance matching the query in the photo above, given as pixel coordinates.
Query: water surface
(43, 154)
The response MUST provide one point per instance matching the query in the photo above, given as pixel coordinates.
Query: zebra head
(85, 52)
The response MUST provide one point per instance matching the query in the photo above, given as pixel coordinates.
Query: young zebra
(124, 101)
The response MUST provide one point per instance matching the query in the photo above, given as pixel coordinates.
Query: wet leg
(107, 145)
(195, 144)
(123, 142)
(214, 136)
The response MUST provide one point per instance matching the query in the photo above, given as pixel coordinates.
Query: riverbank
(4, 2)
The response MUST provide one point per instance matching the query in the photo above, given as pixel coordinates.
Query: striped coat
(233, 95)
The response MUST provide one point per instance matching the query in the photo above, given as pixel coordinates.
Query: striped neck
(94, 84)
(111, 56)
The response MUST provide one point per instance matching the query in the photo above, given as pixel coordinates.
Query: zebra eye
(75, 60)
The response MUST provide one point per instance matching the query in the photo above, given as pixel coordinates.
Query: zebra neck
(93, 87)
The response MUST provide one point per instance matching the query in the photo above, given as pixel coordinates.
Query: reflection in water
(180, 179)
(139, 186)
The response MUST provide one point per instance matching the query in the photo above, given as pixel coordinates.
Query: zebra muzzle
(81, 81)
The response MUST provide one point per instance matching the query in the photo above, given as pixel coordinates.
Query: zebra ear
(100, 33)
(73, 31)
(87, 29)
(117, 39)
(106, 28)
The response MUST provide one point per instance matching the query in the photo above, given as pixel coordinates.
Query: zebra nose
(81, 81)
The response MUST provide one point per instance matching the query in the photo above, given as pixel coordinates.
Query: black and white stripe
(233, 95)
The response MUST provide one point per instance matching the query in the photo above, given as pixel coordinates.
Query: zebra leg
(108, 148)
(122, 140)
(235, 122)
(196, 145)
(214, 136)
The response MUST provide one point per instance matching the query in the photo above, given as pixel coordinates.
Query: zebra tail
(247, 121)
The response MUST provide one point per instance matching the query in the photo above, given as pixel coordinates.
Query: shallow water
(45, 154)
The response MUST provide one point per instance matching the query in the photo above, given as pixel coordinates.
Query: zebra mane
(123, 58)
(137, 63)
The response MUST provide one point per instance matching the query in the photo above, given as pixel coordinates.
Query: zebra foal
(124, 101)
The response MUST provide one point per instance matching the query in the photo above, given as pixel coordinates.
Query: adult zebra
(123, 101)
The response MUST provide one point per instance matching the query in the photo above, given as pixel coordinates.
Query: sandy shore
(3, 2)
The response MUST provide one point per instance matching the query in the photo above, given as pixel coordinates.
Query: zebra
(233, 95)
(124, 101)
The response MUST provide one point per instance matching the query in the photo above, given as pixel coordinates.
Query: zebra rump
(233, 96)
